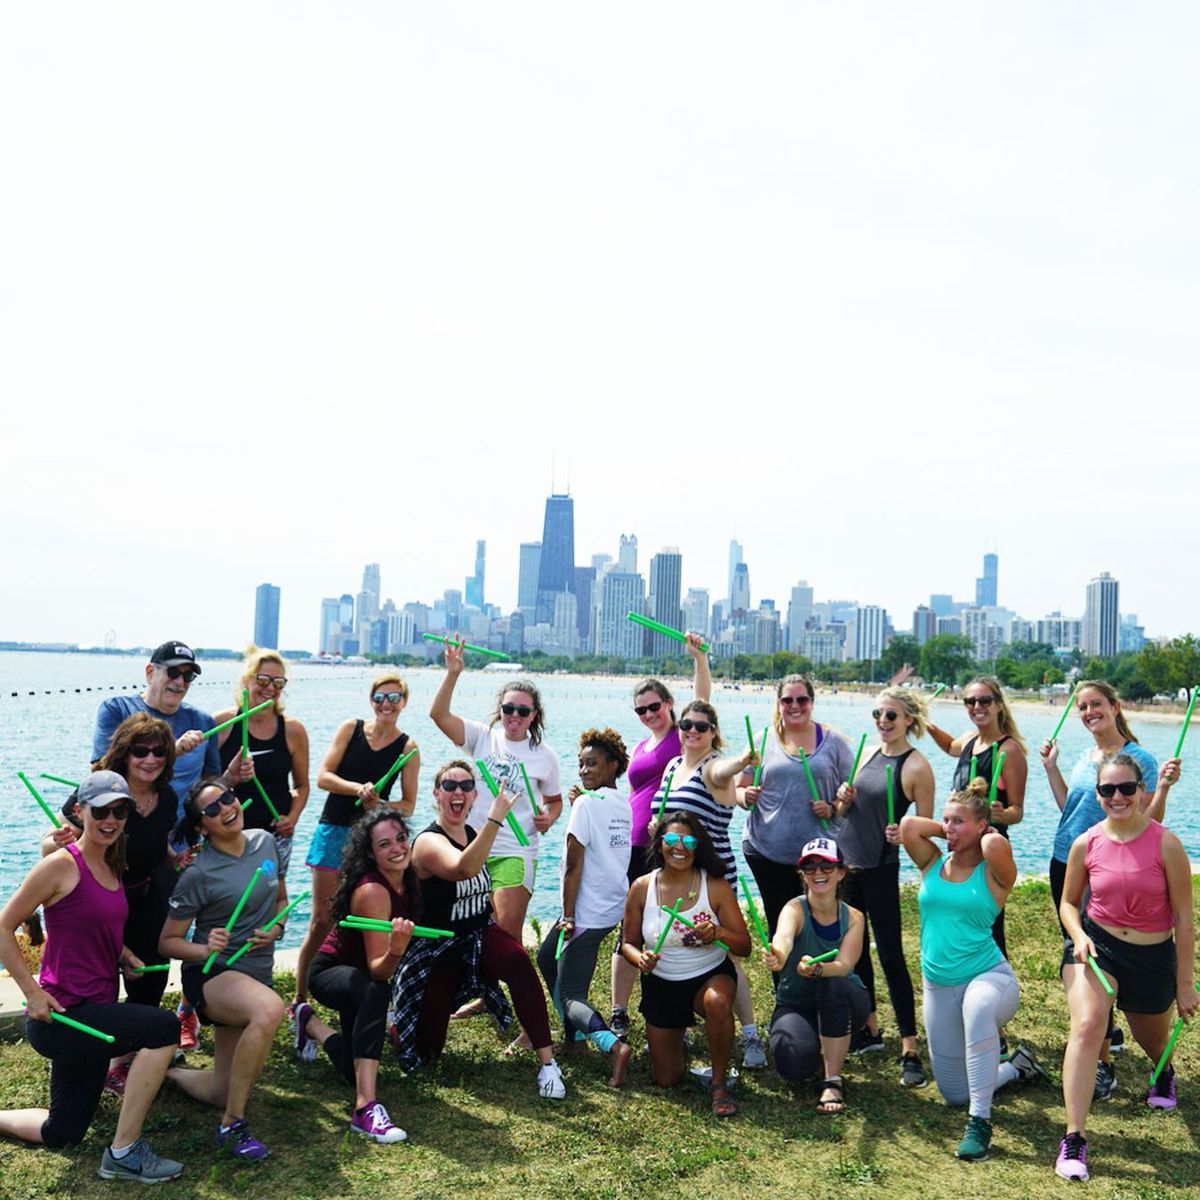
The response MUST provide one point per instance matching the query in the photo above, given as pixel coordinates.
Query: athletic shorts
(512, 870)
(325, 849)
(1145, 975)
(667, 1003)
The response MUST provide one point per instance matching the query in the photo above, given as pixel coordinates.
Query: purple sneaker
(1162, 1091)
(1072, 1158)
(306, 1047)
(240, 1142)
(372, 1121)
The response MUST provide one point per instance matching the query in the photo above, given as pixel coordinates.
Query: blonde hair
(1004, 717)
(252, 663)
(913, 704)
(974, 797)
(389, 677)
(1109, 692)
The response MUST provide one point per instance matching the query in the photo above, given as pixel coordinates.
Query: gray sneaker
(1106, 1081)
(754, 1054)
(141, 1163)
(1028, 1067)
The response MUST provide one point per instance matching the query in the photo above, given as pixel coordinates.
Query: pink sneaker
(1162, 1091)
(189, 1028)
(114, 1081)
(372, 1121)
(1072, 1157)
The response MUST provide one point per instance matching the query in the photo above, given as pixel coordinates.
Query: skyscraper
(556, 569)
(739, 590)
(868, 632)
(585, 579)
(986, 585)
(1101, 627)
(735, 557)
(695, 610)
(619, 594)
(330, 625)
(266, 616)
(370, 592)
(627, 555)
(527, 579)
(474, 583)
(800, 611)
(666, 583)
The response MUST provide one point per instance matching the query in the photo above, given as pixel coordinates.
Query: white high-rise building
(735, 557)
(800, 611)
(870, 622)
(695, 610)
(620, 593)
(1101, 619)
(1063, 633)
(627, 555)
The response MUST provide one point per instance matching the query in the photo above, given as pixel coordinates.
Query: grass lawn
(477, 1127)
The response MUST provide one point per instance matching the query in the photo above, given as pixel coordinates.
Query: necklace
(694, 888)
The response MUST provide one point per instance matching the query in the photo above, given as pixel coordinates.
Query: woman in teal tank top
(970, 990)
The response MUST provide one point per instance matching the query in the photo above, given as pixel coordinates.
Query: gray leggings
(568, 980)
(962, 1027)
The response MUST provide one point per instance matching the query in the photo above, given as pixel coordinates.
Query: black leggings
(796, 1030)
(777, 884)
(147, 912)
(875, 891)
(361, 1004)
(79, 1062)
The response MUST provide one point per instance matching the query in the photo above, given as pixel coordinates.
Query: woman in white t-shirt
(594, 882)
(512, 738)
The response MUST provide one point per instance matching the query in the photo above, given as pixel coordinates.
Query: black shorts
(667, 1003)
(1145, 975)
(192, 980)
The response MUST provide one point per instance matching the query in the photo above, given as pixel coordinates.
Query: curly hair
(140, 727)
(522, 685)
(610, 743)
(706, 857)
(357, 860)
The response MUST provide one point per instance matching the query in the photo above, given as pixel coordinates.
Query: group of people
(177, 847)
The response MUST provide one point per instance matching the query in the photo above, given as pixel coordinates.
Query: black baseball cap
(174, 654)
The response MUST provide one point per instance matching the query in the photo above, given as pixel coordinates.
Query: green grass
(477, 1127)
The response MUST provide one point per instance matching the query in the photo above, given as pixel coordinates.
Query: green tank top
(794, 989)
(956, 926)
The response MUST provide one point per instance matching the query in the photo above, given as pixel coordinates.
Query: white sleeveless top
(683, 955)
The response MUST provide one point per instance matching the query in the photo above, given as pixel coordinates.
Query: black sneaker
(1116, 1044)
(866, 1042)
(619, 1022)
(912, 1073)
(1106, 1081)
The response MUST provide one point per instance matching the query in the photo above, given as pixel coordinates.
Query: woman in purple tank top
(79, 888)
(655, 708)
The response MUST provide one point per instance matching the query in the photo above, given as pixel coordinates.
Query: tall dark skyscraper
(986, 587)
(266, 616)
(474, 588)
(556, 569)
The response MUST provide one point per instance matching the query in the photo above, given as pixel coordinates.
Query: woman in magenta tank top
(79, 889)
(1139, 886)
(654, 706)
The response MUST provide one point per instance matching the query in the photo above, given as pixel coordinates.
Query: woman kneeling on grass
(1140, 886)
(818, 1004)
(689, 974)
(79, 888)
(238, 1000)
(353, 969)
(970, 989)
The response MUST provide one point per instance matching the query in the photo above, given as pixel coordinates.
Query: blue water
(51, 730)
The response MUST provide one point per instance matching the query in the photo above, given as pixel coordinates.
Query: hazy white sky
(286, 288)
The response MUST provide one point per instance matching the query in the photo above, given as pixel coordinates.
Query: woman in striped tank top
(701, 782)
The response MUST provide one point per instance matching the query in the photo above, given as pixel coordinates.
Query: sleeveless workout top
(645, 777)
(272, 765)
(984, 764)
(85, 932)
(956, 926)
(462, 905)
(360, 764)
(683, 955)
(861, 835)
(346, 945)
(1128, 881)
(691, 795)
(795, 989)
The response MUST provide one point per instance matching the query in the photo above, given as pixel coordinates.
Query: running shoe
(189, 1027)
(912, 1073)
(976, 1141)
(114, 1081)
(550, 1082)
(866, 1042)
(1116, 1043)
(1162, 1090)
(306, 1047)
(141, 1163)
(240, 1142)
(1072, 1158)
(1027, 1065)
(754, 1054)
(372, 1121)
(619, 1022)
(1106, 1081)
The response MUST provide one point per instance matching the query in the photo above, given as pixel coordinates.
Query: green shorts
(512, 870)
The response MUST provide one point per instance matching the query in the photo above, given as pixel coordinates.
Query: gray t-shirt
(782, 821)
(208, 892)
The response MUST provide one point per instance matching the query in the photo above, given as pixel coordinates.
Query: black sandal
(831, 1107)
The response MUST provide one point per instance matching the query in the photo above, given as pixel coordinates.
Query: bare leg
(666, 1054)
(24, 1123)
(622, 1052)
(714, 1002)
(743, 1001)
(623, 975)
(1151, 1031)
(324, 884)
(834, 1051)
(148, 1070)
(1088, 1005)
(366, 1077)
(510, 904)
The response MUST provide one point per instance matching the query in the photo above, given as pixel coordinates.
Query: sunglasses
(118, 811)
(278, 682)
(687, 725)
(140, 751)
(888, 714)
(390, 697)
(225, 799)
(1109, 790)
(457, 785)
(982, 701)
(521, 710)
(184, 673)
(800, 700)
(643, 709)
(675, 839)
(816, 868)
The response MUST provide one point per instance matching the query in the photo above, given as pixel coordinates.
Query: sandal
(831, 1107)
(723, 1104)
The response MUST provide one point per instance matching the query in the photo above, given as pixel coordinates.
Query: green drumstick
(63, 1019)
(494, 788)
(433, 637)
(72, 783)
(1187, 720)
(937, 691)
(279, 916)
(690, 924)
(390, 773)
(662, 808)
(246, 723)
(665, 630)
(562, 944)
(380, 926)
(862, 741)
(762, 754)
(1066, 712)
(754, 913)
(1166, 1054)
(237, 912)
(1100, 975)
(891, 795)
(152, 967)
(827, 956)
(529, 792)
(242, 716)
(749, 733)
(812, 785)
(997, 771)
(41, 803)
(674, 911)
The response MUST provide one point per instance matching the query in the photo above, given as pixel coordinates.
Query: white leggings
(962, 1027)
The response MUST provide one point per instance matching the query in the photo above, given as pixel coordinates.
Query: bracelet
(497, 824)
(818, 968)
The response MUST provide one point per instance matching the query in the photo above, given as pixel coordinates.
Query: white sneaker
(550, 1082)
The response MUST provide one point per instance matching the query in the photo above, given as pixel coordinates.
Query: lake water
(51, 730)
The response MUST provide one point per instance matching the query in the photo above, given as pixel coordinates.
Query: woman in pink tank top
(1139, 905)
